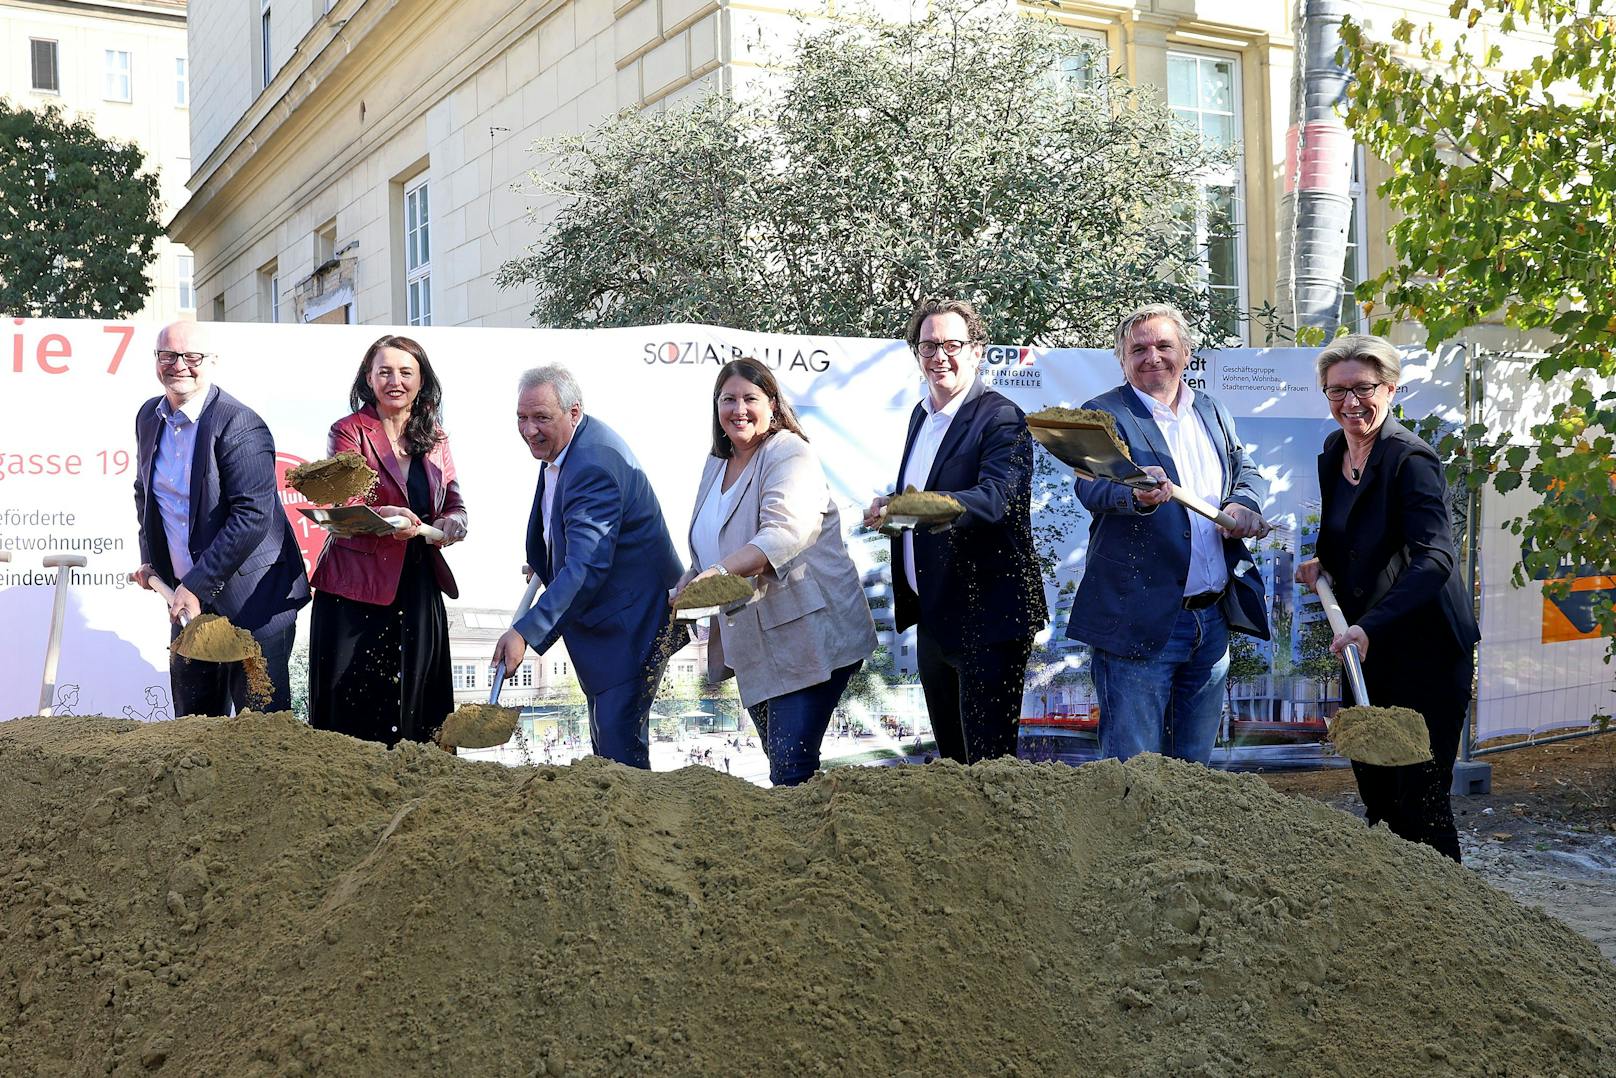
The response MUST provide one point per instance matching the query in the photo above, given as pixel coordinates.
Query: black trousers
(1413, 800)
(974, 699)
(204, 688)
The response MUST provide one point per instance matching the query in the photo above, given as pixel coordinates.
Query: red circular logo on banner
(310, 536)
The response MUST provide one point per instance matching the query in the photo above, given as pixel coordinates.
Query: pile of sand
(334, 480)
(1388, 736)
(254, 898)
(721, 590)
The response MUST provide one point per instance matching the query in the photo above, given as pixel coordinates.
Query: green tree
(890, 161)
(80, 218)
(1505, 180)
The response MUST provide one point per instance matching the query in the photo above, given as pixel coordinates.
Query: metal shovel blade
(481, 726)
(1089, 450)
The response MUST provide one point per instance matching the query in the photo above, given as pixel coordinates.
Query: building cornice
(162, 14)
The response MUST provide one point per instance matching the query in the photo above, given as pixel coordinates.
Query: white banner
(66, 482)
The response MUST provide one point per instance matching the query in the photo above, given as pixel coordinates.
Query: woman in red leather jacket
(379, 638)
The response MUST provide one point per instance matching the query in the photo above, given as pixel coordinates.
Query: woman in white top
(763, 510)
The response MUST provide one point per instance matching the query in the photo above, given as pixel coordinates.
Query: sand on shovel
(334, 480)
(212, 639)
(478, 726)
(924, 505)
(1387, 736)
(719, 590)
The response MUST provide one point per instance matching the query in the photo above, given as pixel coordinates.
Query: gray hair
(1377, 352)
(557, 378)
(1186, 336)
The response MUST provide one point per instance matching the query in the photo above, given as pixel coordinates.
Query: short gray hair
(1186, 336)
(1377, 352)
(557, 378)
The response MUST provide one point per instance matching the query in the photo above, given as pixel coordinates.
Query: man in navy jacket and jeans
(211, 523)
(1162, 586)
(974, 591)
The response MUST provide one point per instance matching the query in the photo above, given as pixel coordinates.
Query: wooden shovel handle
(1350, 658)
(1332, 609)
(161, 588)
(1205, 508)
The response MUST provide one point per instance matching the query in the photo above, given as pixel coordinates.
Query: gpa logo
(1004, 355)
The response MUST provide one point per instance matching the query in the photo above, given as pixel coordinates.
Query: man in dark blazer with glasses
(211, 523)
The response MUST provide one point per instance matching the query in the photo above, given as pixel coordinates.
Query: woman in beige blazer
(764, 511)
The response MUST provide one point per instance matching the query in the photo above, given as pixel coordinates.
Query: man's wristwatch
(718, 567)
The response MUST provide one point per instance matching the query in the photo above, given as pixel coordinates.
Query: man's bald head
(185, 361)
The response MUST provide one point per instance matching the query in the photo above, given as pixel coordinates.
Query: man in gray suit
(597, 540)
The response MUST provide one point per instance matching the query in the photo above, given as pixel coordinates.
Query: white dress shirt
(1200, 471)
(171, 477)
(552, 479)
(928, 439)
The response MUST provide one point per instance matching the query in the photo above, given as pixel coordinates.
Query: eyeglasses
(1363, 391)
(193, 360)
(927, 349)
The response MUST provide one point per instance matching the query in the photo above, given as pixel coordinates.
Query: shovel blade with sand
(1085, 440)
(486, 726)
(334, 480)
(1387, 736)
(211, 638)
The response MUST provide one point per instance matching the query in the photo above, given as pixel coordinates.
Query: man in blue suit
(973, 592)
(1162, 587)
(211, 523)
(597, 539)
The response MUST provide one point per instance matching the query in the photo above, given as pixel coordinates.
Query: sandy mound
(1389, 736)
(250, 897)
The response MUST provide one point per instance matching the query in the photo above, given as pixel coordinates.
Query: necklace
(1357, 469)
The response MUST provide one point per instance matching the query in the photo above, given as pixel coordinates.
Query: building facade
(124, 64)
(358, 162)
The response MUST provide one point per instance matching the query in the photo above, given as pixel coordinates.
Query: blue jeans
(1171, 703)
(794, 724)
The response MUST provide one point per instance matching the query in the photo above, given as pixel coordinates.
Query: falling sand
(333, 480)
(1389, 736)
(211, 638)
(254, 898)
(714, 591)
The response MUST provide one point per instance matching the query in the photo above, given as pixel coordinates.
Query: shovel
(64, 564)
(335, 479)
(483, 726)
(210, 638)
(350, 520)
(1388, 736)
(1093, 451)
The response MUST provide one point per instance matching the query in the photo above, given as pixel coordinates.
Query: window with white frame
(524, 676)
(1355, 267)
(182, 84)
(266, 72)
(465, 675)
(275, 298)
(417, 253)
(1203, 91)
(1086, 64)
(47, 72)
(119, 85)
(185, 274)
(269, 289)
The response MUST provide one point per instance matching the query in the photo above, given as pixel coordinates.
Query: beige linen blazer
(810, 616)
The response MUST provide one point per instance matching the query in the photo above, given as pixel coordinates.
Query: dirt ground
(1546, 834)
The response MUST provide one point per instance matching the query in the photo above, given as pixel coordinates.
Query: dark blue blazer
(1139, 558)
(980, 582)
(606, 582)
(246, 564)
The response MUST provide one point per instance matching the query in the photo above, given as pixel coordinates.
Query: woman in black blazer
(1386, 544)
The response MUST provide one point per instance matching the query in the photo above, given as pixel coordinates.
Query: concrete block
(556, 37)
(591, 17)
(575, 73)
(628, 86)
(666, 66)
(704, 42)
(522, 63)
(636, 29)
(677, 14)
